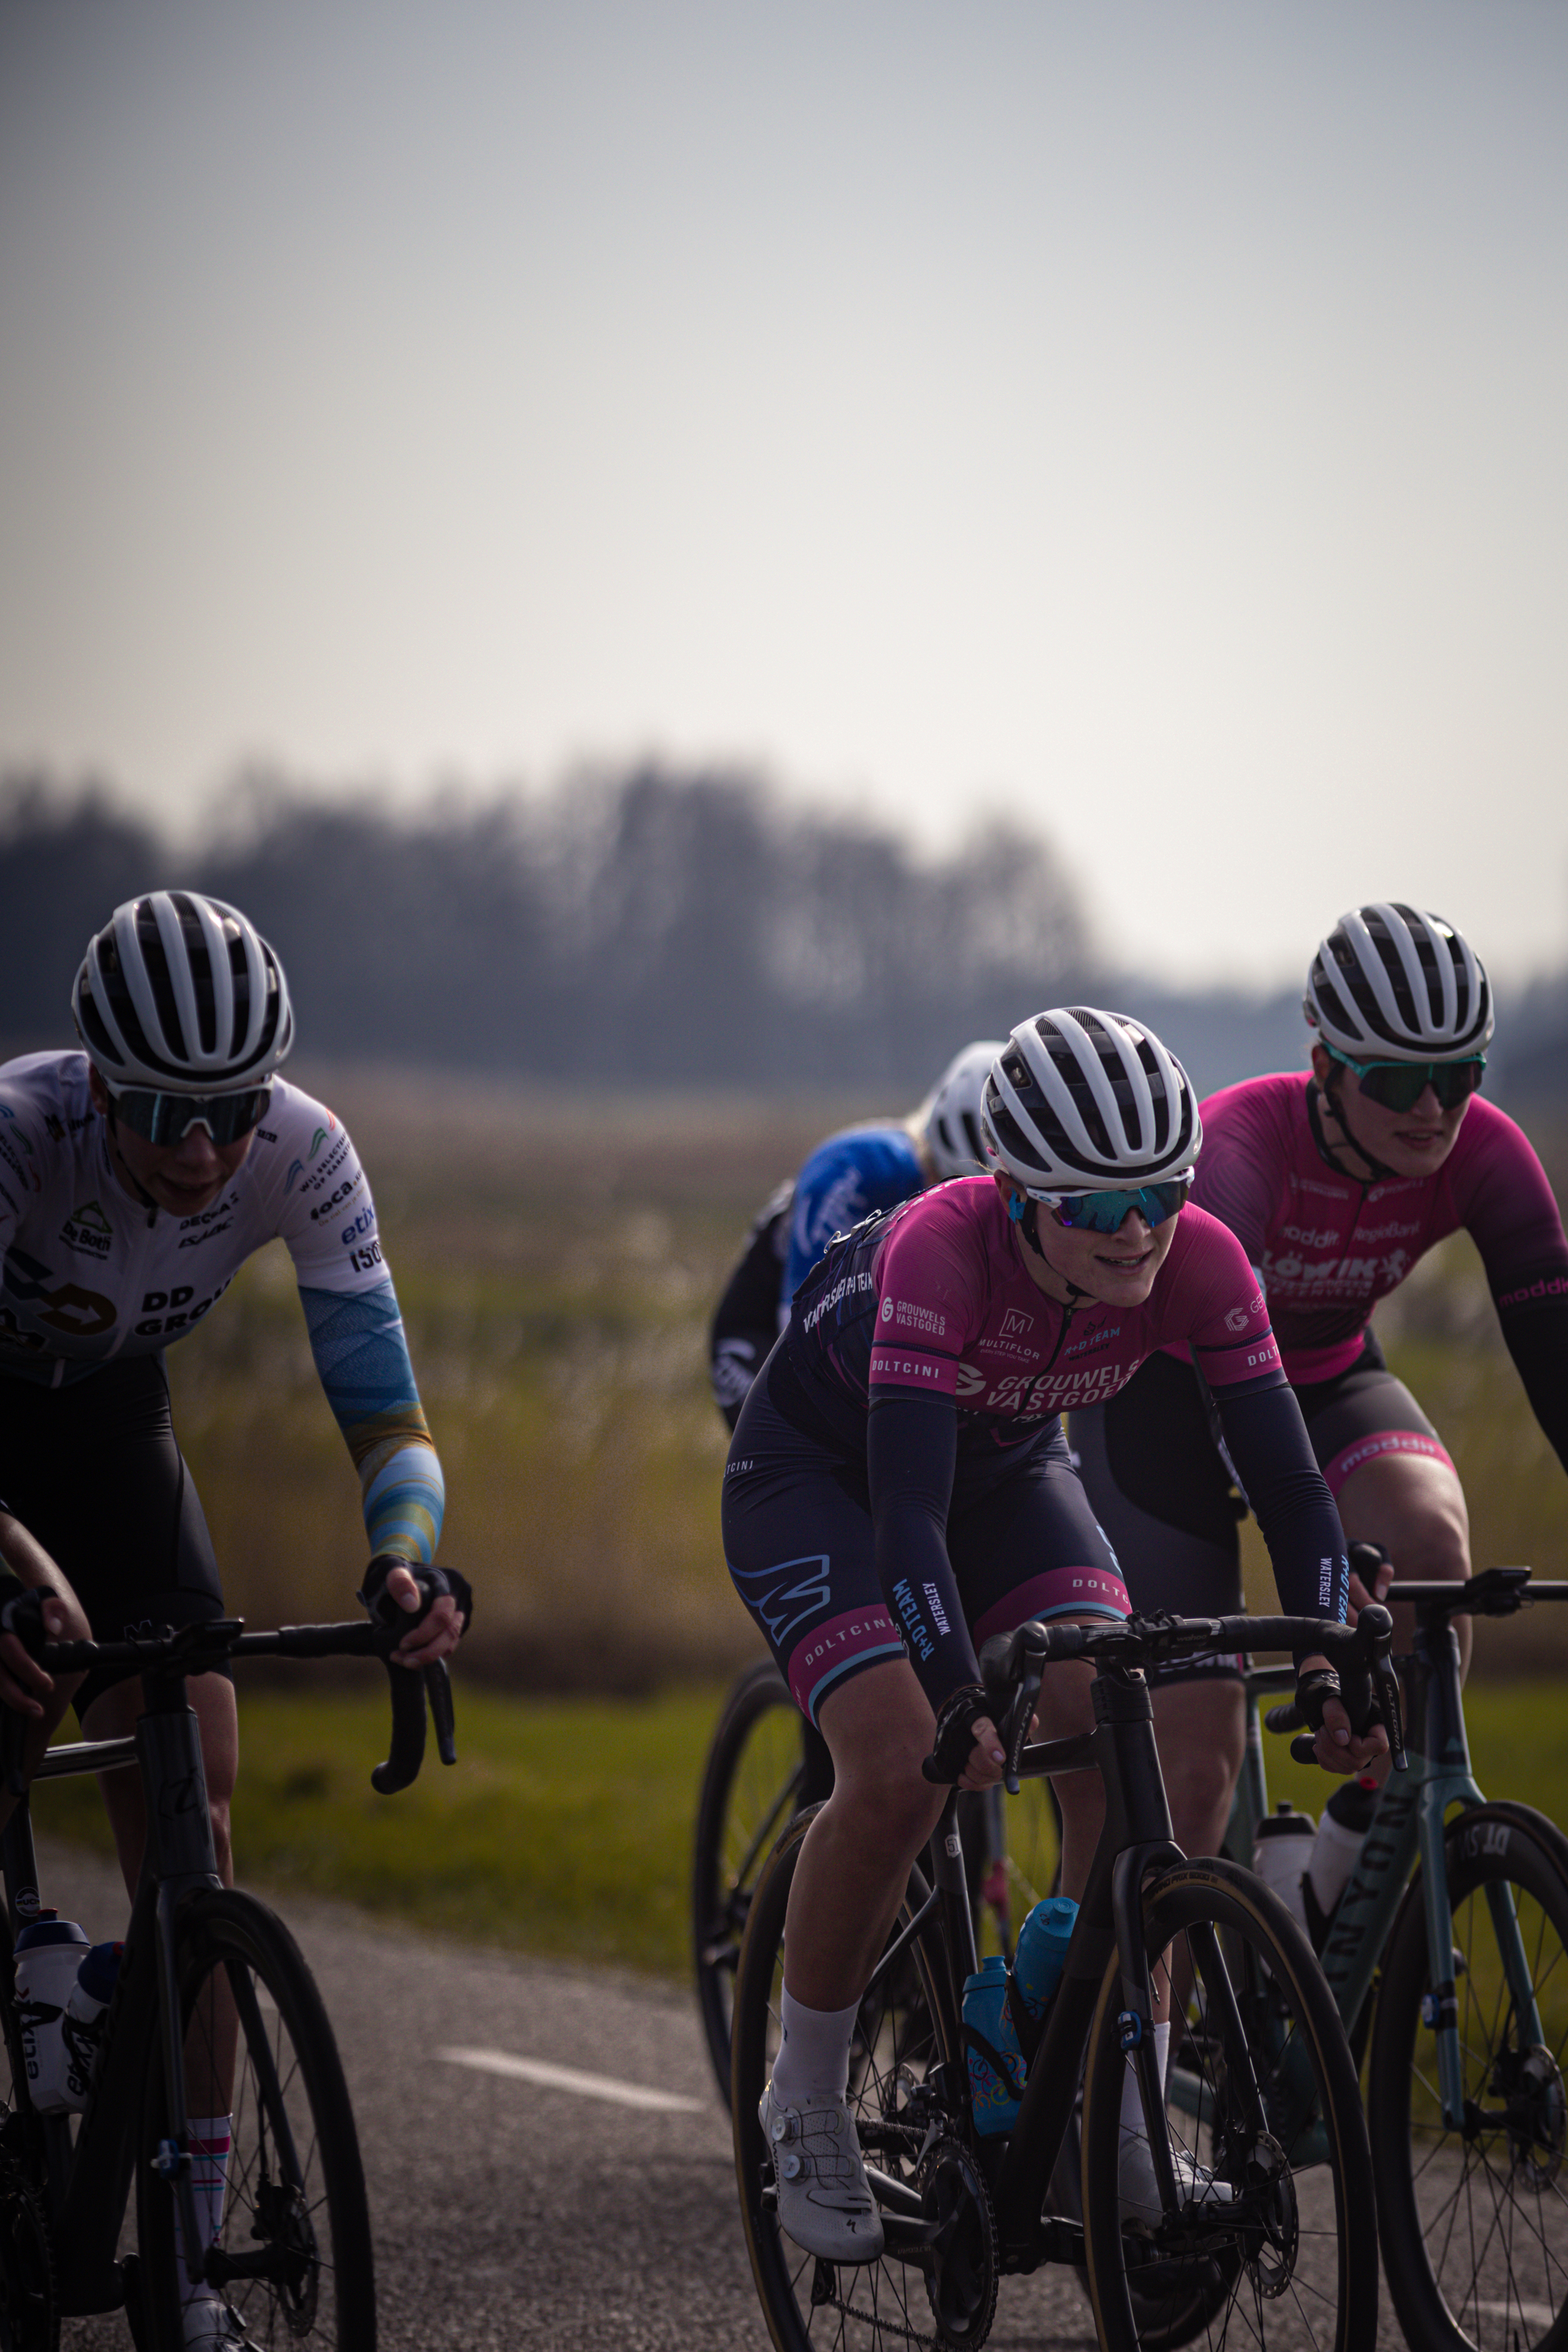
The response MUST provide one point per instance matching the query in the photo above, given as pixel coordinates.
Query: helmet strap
(126, 1169)
(1319, 1101)
(1026, 1215)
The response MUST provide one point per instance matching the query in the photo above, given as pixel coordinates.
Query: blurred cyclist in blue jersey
(851, 1175)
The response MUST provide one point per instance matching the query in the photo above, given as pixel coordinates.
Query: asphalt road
(511, 2210)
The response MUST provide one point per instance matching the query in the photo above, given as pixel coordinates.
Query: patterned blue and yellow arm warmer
(362, 1355)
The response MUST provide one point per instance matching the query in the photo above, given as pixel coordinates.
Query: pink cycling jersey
(955, 1313)
(1327, 1248)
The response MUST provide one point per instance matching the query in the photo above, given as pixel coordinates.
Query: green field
(566, 1827)
(557, 1263)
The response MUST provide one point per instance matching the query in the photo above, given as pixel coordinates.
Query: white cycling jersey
(89, 1272)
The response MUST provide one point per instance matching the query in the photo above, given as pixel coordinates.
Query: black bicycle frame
(1135, 1840)
(87, 2187)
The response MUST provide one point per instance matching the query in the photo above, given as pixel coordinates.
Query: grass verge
(566, 1828)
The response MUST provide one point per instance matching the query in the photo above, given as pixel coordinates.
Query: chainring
(962, 2273)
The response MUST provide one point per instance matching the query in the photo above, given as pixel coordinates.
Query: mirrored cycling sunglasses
(1104, 1212)
(1399, 1086)
(168, 1119)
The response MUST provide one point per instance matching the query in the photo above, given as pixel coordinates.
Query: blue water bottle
(1038, 1963)
(997, 2070)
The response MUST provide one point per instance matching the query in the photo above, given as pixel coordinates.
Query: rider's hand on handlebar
(392, 1586)
(988, 1758)
(24, 1684)
(440, 1633)
(1337, 1748)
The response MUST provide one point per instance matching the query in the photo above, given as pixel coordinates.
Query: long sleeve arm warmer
(362, 1356)
(1266, 1439)
(911, 1452)
(1533, 1312)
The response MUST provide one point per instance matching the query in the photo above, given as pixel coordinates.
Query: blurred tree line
(647, 928)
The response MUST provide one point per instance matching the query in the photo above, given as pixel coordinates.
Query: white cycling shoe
(824, 2201)
(211, 2326)
(1196, 2184)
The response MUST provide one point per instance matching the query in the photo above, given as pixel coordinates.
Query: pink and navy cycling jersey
(921, 1352)
(935, 1299)
(1329, 1248)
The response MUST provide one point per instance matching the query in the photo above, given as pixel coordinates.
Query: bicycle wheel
(1290, 2260)
(1474, 2218)
(294, 2246)
(754, 1780)
(905, 2029)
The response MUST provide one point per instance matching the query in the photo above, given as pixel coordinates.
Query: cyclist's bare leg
(210, 2046)
(1415, 1507)
(41, 1698)
(855, 1863)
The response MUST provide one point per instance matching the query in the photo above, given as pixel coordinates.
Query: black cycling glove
(432, 1582)
(1314, 1686)
(954, 1741)
(22, 1612)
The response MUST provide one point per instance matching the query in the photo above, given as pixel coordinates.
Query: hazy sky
(1145, 415)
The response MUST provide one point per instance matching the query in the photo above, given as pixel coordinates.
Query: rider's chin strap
(1026, 1215)
(146, 1199)
(1319, 1100)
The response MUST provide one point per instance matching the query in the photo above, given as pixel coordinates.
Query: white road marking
(570, 2078)
(1534, 2314)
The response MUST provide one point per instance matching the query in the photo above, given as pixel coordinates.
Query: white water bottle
(1281, 1852)
(1347, 1817)
(81, 2027)
(49, 1952)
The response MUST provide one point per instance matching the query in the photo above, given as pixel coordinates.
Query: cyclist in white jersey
(136, 1177)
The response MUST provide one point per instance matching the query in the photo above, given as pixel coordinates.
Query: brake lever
(443, 1714)
(1018, 1724)
(14, 1752)
(407, 1752)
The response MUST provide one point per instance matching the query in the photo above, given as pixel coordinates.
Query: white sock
(1131, 2104)
(209, 2145)
(813, 2056)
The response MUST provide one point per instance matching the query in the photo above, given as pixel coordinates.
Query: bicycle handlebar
(195, 1649)
(1012, 1663)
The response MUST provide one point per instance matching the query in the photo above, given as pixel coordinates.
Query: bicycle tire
(1294, 2255)
(1473, 2223)
(907, 2026)
(296, 2199)
(753, 1783)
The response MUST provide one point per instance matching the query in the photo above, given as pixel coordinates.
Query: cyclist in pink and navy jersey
(899, 1488)
(1335, 1184)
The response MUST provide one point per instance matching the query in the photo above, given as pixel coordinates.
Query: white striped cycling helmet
(1082, 1101)
(950, 1116)
(1394, 983)
(180, 993)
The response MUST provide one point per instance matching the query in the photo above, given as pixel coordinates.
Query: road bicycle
(1454, 1983)
(766, 1764)
(212, 1992)
(1290, 2259)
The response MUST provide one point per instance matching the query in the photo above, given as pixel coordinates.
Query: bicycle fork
(170, 1743)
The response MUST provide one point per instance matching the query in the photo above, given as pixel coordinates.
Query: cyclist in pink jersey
(899, 1488)
(1336, 1184)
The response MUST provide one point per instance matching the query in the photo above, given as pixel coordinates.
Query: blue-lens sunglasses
(1105, 1212)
